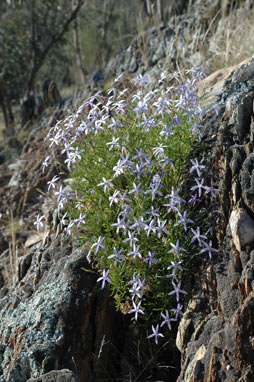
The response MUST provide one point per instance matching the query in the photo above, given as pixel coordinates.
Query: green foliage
(96, 164)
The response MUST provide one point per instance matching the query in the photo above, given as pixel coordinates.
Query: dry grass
(9, 258)
(1, 126)
(233, 40)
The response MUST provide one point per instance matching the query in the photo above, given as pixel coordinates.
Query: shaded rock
(226, 332)
(56, 376)
(245, 112)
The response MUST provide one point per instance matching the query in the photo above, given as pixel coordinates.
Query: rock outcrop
(57, 325)
(216, 335)
(186, 40)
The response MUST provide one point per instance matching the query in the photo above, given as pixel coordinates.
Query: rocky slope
(58, 325)
(188, 39)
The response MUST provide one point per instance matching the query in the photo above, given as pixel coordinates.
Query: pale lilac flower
(159, 150)
(45, 163)
(196, 166)
(70, 160)
(208, 248)
(117, 255)
(135, 279)
(136, 309)
(106, 184)
(199, 186)
(160, 228)
(123, 199)
(177, 290)
(197, 236)
(63, 221)
(177, 311)
(114, 198)
(147, 123)
(140, 156)
(183, 220)
(167, 320)
(67, 148)
(136, 290)
(175, 200)
(153, 213)
(150, 227)
(212, 190)
(138, 171)
(68, 229)
(137, 96)
(193, 200)
(127, 211)
(118, 169)
(134, 252)
(155, 334)
(98, 244)
(52, 182)
(176, 249)
(113, 143)
(175, 267)
(115, 124)
(61, 196)
(54, 141)
(151, 259)
(141, 80)
(131, 238)
(172, 205)
(120, 107)
(38, 222)
(140, 109)
(138, 224)
(154, 191)
(121, 224)
(80, 220)
(162, 106)
(136, 189)
(104, 278)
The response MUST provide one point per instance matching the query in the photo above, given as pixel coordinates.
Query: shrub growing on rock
(126, 151)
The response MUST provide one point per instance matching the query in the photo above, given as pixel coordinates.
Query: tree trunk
(108, 12)
(40, 58)
(6, 109)
(159, 10)
(148, 7)
(78, 52)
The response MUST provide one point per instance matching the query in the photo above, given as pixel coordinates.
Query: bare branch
(55, 38)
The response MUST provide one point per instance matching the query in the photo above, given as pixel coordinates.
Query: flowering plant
(126, 152)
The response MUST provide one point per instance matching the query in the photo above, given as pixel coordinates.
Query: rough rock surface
(216, 335)
(53, 314)
(178, 43)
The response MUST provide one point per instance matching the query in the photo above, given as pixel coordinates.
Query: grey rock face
(217, 342)
(42, 318)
